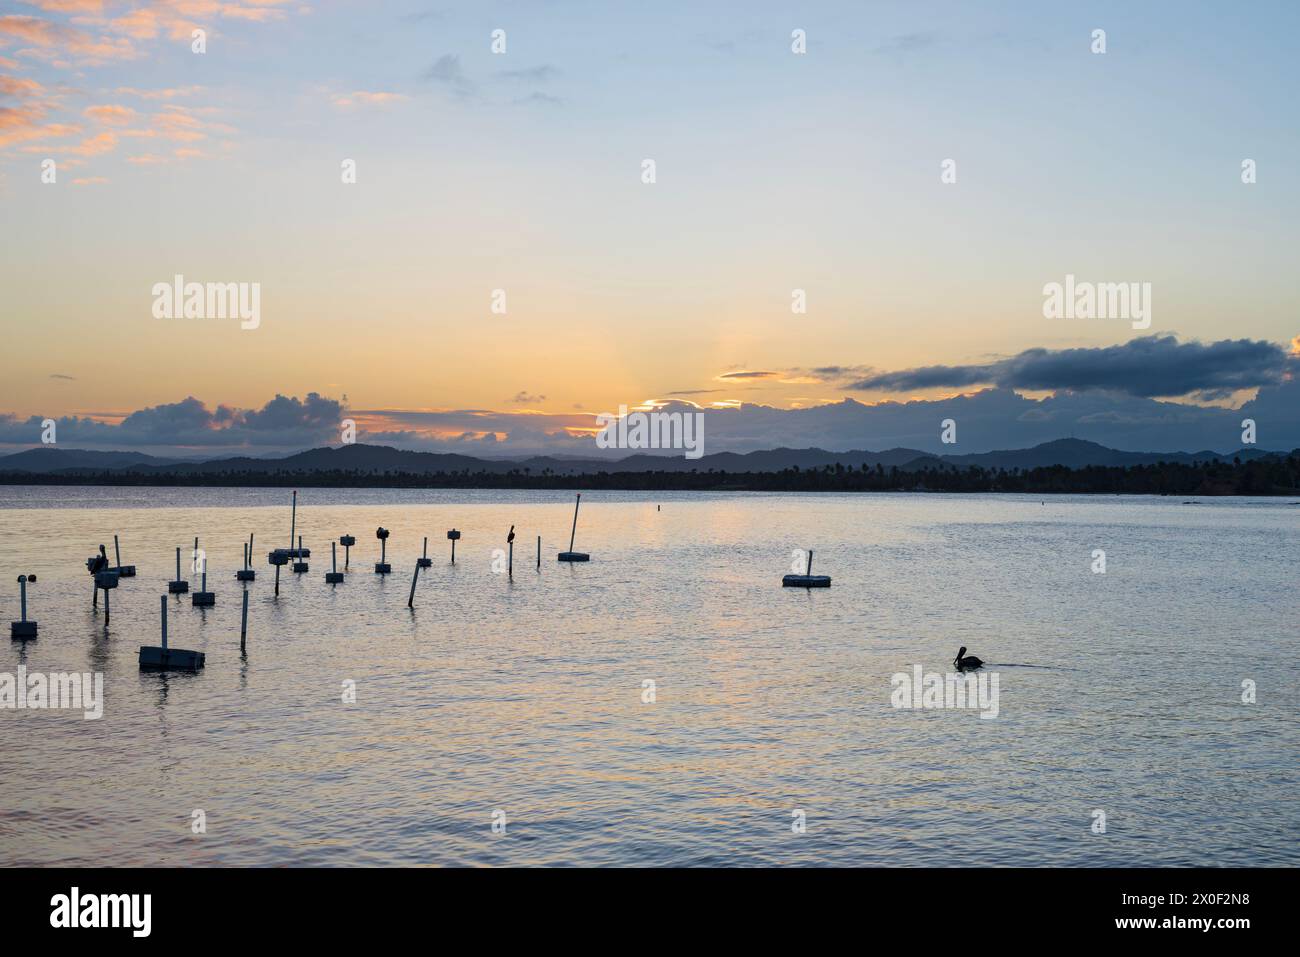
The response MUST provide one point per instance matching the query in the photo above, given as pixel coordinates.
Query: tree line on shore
(1271, 475)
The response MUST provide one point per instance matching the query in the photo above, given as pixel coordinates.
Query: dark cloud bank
(1107, 395)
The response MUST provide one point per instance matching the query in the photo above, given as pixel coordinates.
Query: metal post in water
(574, 533)
(163, 603)
(243, 623)
(809, 571)
(117, 553)
(293, 519)
(510, 568)
(178, 559)
(539, 553)
(22, 587)
(410, 601)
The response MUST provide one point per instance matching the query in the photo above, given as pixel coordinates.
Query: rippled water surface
(1119, 692)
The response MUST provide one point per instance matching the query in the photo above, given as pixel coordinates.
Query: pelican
(963, 661)
(97, 563)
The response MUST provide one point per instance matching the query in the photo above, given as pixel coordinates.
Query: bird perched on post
(511, 537)
(97, 563)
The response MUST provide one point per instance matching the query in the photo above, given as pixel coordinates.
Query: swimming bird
(968, 661)
(511, 537)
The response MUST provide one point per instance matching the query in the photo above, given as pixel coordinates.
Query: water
(1119, 692)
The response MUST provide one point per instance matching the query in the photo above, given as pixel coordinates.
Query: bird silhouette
(98, 563)
(511, 537)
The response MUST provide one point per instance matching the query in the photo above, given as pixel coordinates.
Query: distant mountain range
(380, 459)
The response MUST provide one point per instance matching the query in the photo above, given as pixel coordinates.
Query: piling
(23, 629)
(334, 576)
(203, 598)
(571, 555)
(154, 657)
(123, 571)
(410, 599)
(180, 586)
(247, 574)
(807, 579)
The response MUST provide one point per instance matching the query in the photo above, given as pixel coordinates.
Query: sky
(517, 177)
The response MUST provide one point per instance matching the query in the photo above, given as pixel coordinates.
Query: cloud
(538, 99)
(76, 34)
(909, 42)
(727, 376)
(535, 74)
(283, 423)
(447, 71)
(1149, 367)
(59, 375)
(110, 114)
(995, 418)
(524, 398)
(53, 42)
(366, 98)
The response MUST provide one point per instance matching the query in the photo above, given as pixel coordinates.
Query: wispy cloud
(447, 71)
(363, 98)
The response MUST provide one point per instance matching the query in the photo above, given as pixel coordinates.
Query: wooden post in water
(410, 600)
(163, 603)
(539, 553)
(243, 623)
